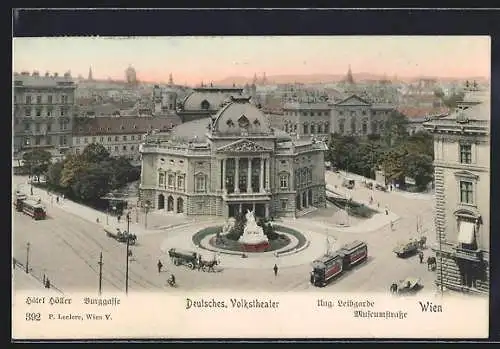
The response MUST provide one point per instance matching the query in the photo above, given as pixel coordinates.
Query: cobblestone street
(66, 248)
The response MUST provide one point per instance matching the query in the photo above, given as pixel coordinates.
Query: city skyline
(192, 60)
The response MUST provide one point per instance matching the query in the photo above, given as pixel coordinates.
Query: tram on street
(32, 209)
(329, 266)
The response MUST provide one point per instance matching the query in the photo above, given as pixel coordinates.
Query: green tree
(37, 162)
(93, 182)
(73, 166)
(395, 129)
(451, 101)
(394, 165)
(54, 174)
(95, 153)
(420, 168)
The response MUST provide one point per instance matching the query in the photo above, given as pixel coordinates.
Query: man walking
(421, 257)
(275, 270)
(160, 265)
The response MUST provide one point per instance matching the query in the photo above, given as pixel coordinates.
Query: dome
(204, 101)
(240, 115)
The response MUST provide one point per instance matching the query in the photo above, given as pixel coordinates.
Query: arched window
(205, 105)
(306, 128)
(353, 125)
(313, 128)
(161, 179)
(327, 127)
(320, 129)
(365, 127)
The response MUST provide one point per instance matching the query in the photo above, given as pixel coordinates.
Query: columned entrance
(235, 209)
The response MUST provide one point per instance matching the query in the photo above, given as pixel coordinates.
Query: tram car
(326, 268)
(32, 208)
(354, 253)
(329, 266)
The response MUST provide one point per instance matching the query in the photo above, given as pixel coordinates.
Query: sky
(194, 59)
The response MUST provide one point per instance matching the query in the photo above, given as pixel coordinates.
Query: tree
(54, 173)
(73, 166)
(393, 164)
(37, 162)
(420, 168)
(92, 183)
(95, 153)
(395, 128)
(452, 101)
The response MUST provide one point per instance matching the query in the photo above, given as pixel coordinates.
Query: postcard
(265, 187)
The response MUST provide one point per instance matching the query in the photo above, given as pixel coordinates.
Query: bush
(205, 232)
(354, 208)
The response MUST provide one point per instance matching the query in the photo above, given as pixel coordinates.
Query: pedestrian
(386, 211)
(421, 257)
(57, 199)
(63, 197)
(275, 270)
(160, 265)
(118, 218)
(47, 283)
(392, 225)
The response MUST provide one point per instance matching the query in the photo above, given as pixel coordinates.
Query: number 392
(33, 317)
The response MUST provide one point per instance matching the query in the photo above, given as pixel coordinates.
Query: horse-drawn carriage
(404, 286)
(191, 259)
(410, 247)
(121, 236)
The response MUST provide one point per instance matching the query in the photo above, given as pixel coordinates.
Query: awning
(466, 233)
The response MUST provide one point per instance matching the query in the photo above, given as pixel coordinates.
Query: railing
(43, 278)
(471, 255)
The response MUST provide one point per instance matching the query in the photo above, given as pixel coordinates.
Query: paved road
(66, 248)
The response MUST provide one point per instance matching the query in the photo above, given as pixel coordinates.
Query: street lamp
(146, 207)
(30, 169)
(128, 251)
(27, 257)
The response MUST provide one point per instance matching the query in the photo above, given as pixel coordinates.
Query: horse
(209, 265)
(431, 263)
(394, 288)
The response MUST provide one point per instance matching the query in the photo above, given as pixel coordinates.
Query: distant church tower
(90, 74)
(170, 79)
(349, 79)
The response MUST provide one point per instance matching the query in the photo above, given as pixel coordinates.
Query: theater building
(462, 194)
(231, 162)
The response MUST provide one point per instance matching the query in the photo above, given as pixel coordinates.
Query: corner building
(462, 194)
(232, 162)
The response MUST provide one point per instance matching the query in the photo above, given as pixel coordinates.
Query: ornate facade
(229, 163)
(44, 107)
(462, 182)
(357, 116)
(307, 119)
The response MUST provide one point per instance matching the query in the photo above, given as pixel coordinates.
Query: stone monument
(253, 237)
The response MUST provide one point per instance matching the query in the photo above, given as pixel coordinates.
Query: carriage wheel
(176, 261)
(190, 265)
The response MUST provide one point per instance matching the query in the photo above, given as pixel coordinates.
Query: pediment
(243, 145)
(466, 174)
(353, 100)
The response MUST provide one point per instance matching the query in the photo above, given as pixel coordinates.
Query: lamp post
(128, 246)
(146, 207)
(27, 257)
(441, 260)
(30, 168)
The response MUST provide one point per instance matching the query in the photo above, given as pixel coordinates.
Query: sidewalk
(156, 221)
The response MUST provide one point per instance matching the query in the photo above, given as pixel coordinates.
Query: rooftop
(122, 125)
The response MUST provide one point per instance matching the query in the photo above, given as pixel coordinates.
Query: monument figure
(252, 233)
